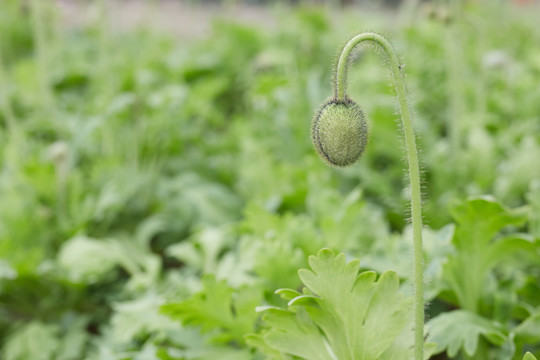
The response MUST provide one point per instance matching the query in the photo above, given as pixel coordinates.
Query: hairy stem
(414, 170)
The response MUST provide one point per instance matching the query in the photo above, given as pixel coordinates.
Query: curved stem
(414, 170)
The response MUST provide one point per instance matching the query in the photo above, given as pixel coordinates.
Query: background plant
(161, 172)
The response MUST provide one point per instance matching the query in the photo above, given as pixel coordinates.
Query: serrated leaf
(296, 334)
(343, 314)
(460, 329)
(218, 306)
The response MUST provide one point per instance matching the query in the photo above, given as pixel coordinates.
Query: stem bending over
(339, 135)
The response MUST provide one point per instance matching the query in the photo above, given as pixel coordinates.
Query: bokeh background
(159, 152)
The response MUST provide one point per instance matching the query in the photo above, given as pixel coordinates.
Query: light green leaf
(218, 306)
(288, 294)
(87, 259)
(74, 339)
(221, 352)
(460, 329)
(513, 245)
(296, 334)
(257, 341)
(480, 218)
(529, 330)
(127, 322)
(204, 248)
(476, 253)
(6, 271)
(529, 356)
(342, 314)
(35, 340)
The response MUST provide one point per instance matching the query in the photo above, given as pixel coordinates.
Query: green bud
(339, 132)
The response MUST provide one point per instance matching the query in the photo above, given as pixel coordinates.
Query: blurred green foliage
(155, 191)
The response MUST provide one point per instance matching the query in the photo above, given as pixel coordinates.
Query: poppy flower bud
(339, 132)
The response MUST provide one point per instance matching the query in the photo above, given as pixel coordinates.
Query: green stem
(414, 170)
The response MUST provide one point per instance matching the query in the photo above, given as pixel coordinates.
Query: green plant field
(156, 191)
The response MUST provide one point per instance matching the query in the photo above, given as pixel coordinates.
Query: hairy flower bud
(339, 132)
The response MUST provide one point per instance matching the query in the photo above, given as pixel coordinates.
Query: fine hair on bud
(339, 132)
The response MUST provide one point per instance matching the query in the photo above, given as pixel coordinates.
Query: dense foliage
(156, 192)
